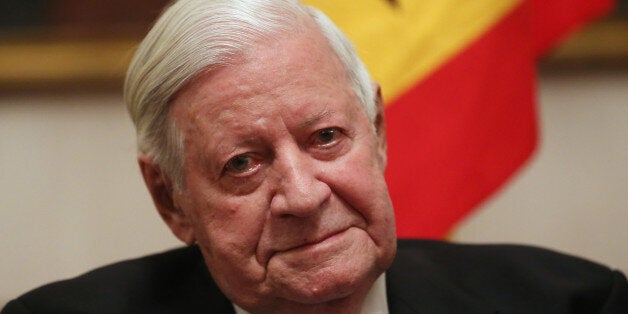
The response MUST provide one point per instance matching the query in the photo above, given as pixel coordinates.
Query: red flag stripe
(553, 20)
(457, 136)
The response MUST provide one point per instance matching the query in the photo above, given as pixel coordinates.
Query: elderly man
(262, 143)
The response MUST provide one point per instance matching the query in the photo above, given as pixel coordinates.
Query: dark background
(77, 17)
(102, 17)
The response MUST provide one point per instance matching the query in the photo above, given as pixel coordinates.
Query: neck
(348, 305)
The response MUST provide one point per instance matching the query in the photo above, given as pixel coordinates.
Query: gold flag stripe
(403, 43)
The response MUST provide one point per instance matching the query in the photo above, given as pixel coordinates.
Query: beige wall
(573, 196)
(71, 197)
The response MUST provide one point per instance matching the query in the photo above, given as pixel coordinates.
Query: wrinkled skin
(284, 189)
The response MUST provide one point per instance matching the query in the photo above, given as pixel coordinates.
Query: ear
(161, 190)
(380, 123)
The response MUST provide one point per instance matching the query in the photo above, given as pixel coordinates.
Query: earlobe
(380, 123)
(162, 193)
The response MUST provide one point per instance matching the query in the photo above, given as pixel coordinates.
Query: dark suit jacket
(426, 277)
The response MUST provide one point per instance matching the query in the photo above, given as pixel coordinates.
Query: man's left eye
(326, 136)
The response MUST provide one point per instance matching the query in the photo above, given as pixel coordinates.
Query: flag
(458, 78)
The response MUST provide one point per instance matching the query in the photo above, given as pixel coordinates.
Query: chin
(337, 280)
(324, 289)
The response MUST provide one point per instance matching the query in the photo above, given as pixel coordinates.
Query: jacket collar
(416, 284)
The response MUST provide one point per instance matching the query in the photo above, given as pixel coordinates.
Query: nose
(300, 191)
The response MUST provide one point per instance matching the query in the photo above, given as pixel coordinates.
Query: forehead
(297, 69)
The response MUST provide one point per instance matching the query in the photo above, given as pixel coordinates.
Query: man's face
(284, 188)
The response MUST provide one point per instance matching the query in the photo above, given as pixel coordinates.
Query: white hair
(197, 36)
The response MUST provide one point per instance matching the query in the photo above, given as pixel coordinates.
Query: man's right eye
(239, 164)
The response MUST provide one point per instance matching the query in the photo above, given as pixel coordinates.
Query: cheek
(227, 226)
(360, 183)
(359, 180)
(229, 233)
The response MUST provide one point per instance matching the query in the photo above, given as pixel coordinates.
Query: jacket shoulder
(510, 278)
(175, 281)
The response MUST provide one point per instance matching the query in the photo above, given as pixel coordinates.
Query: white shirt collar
(376, 301)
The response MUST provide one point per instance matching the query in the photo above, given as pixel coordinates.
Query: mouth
(311, 246)
(320, 241)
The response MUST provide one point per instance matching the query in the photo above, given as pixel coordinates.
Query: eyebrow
(317, 117)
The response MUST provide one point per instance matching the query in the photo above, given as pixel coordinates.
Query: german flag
(458, 78)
